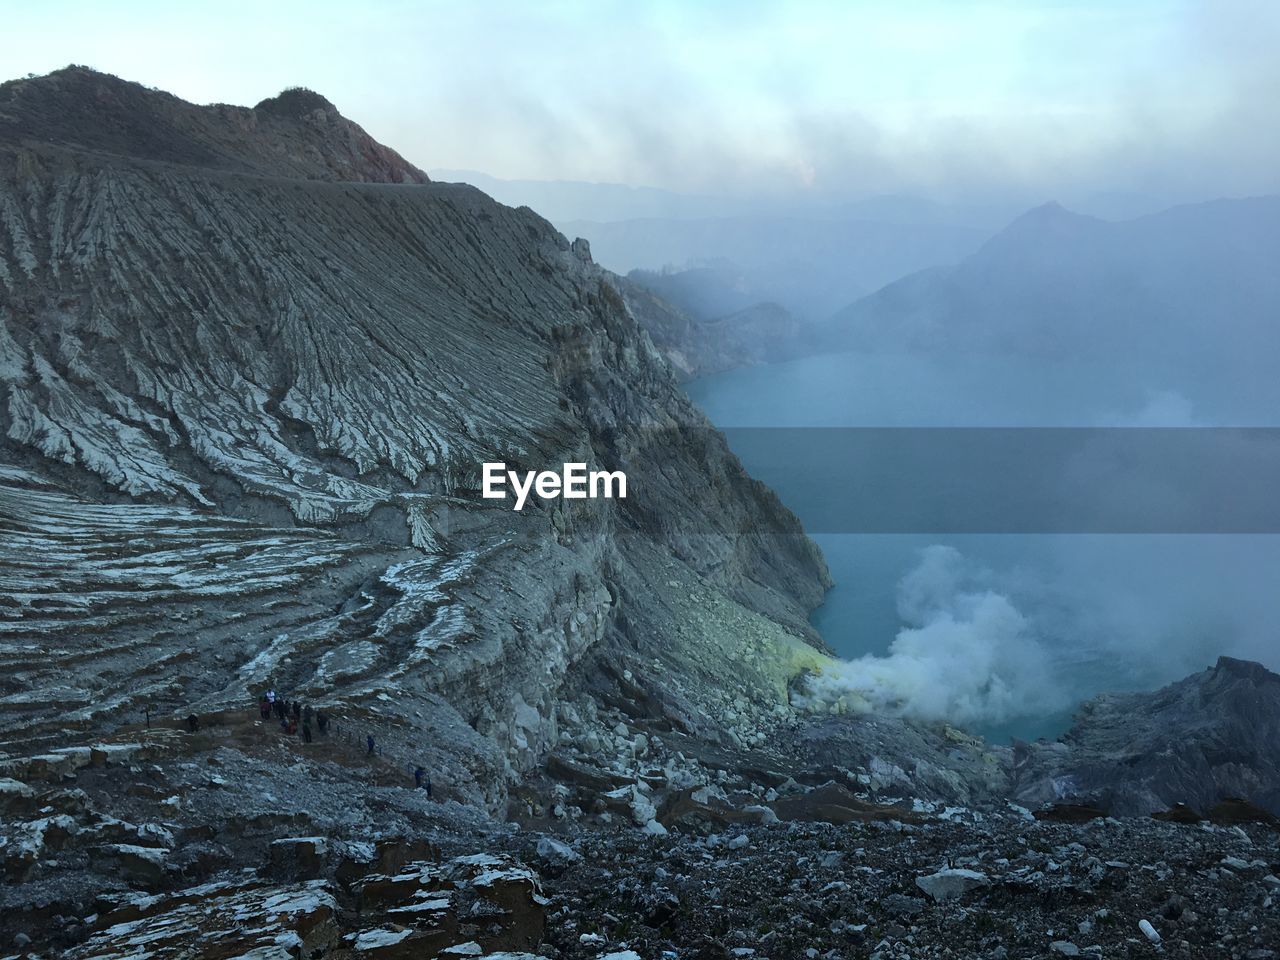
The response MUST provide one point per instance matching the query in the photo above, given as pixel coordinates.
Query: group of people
(293, 715)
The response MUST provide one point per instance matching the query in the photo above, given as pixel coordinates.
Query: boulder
(141, 866)
(553, 851)
(951, 883)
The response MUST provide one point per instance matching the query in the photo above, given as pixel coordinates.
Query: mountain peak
(297, 134)
(295, 102)
(1040, 226)
(1051, 212)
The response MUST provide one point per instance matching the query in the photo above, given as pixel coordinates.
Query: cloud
(994, 97)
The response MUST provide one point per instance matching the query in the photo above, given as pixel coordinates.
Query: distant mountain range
(1193, 284)
(811, 267)
(811, 256)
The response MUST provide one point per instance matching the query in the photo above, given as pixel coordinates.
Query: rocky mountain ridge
(297, 134)
(1195, 742)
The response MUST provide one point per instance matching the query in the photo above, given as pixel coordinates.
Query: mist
(1011, 643)
(797, 104)
(1008, 632)
(965, 654)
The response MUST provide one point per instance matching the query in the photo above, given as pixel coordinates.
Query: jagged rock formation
(699, 345)
(1196, 742)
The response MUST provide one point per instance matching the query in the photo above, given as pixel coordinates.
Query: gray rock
(951, 883)
(551, 849)
(901, 906)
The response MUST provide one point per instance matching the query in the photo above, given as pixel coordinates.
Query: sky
(941, 98)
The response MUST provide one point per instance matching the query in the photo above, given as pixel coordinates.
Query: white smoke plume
(965, 654)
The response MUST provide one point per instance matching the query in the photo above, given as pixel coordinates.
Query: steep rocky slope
(249, 385)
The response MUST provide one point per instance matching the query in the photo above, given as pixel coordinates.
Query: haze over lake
(1066, 615)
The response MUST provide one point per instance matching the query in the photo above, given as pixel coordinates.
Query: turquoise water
(1105, 612)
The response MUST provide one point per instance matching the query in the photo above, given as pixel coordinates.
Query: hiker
(369, 741)
(278, 705)
(417, 777)
(264, 708)
(322, 721)
(193, 722)
(306, 713)
(271, 697)
(284, 724)
(297, 709)
(306, 732)
(291, 726)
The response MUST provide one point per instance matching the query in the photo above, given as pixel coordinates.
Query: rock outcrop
(1197, 743)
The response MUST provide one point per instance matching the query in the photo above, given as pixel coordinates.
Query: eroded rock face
(424, 910)
(226, 919)
(250, 377)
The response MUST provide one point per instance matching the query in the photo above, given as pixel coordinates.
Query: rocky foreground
(805, 872)
(958, 884)
(783, 838)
